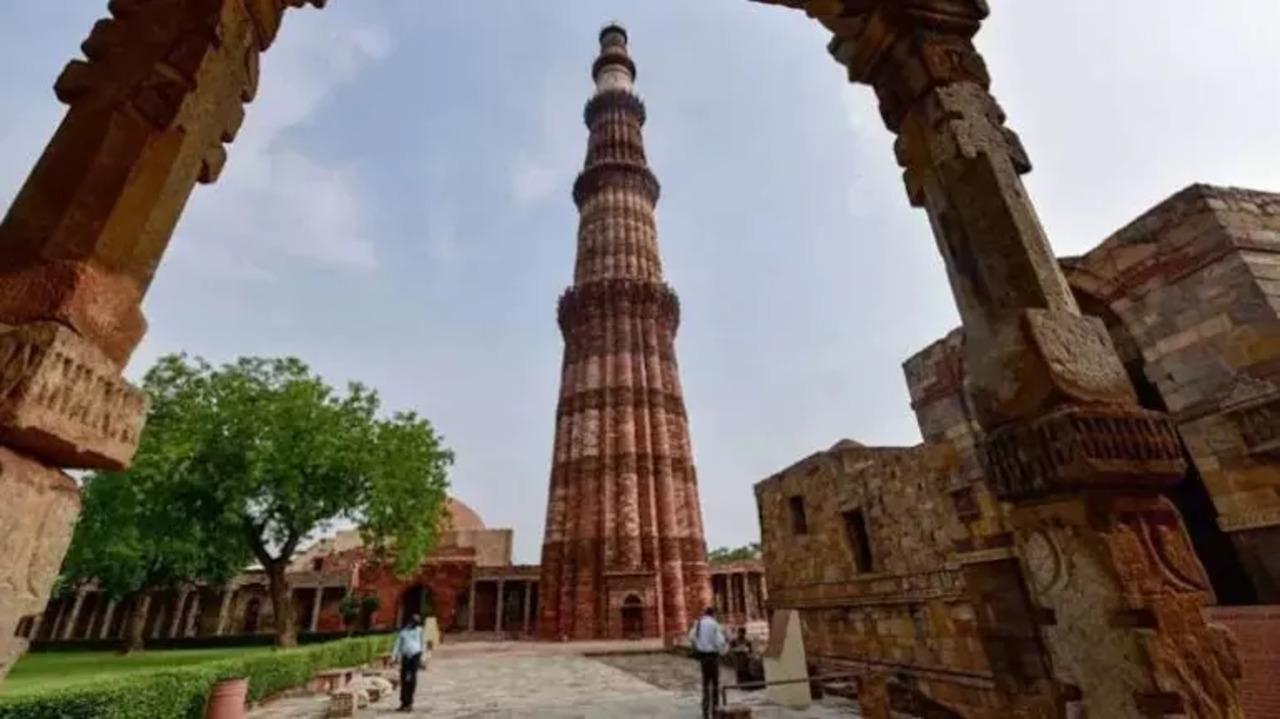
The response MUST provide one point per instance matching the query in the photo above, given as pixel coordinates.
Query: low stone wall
(1258, 631)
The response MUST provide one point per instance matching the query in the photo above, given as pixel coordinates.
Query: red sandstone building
(469, 584)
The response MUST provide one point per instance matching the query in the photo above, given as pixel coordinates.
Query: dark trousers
(409, 679)
(710, 662)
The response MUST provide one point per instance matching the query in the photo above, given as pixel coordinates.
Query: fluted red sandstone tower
(623, 553)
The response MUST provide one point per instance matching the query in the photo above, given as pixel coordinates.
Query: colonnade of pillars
(508, 594)
(739, 596)
(89, 615)
(193, 612)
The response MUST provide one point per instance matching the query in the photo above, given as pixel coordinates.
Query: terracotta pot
(226, 699)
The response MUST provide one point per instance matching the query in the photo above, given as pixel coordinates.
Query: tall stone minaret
(623, 552)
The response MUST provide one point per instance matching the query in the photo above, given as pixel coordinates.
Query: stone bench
(331, 680)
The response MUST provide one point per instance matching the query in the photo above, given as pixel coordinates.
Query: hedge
(261, 639)
(182, 693)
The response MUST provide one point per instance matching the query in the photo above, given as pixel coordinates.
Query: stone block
(37, 516)
(342, 703)
(784, 661)
(63, 400)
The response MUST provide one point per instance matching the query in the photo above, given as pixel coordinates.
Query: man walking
(408, 649)
(708, 643)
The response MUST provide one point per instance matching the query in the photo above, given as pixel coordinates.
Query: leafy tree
(724, 555)
(133, 537)
(266, 452)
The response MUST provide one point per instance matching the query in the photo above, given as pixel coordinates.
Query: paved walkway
(521, 681)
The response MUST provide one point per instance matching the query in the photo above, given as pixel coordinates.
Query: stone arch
(252, 615)
(632, 616)
(415, 599)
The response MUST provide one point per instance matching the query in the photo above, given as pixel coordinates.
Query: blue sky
(397, 210)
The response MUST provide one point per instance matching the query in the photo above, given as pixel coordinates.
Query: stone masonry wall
(904, 611)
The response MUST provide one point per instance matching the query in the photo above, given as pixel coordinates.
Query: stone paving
(519, 682)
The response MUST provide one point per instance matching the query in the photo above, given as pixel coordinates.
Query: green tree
(133, 536)
(724, 555)
(265, 451)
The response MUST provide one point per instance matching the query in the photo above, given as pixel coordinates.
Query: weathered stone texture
(909, 609)
(63, 400)
(624, 526)
(1061, 417)
(161, 89)
(37, 514)
(1191, 286)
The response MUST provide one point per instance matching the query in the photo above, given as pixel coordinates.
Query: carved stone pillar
(502, 605)
(224, 612)
(36, 622)
(69, 627)
(528, 601)
(160, 90)
(471, 608)
(1118, 589)
(104, 631)
(191, 625)
(315, 609)
(179, 608)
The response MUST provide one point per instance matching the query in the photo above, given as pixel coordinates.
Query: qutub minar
(624, 552)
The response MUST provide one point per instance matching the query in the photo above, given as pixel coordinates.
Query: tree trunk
(282, 605)
(136, 623)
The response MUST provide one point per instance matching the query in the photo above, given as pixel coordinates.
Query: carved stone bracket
(1131, 556)
(63, 400)
(1081, 448)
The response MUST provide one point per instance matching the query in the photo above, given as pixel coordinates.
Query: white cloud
(275, 201)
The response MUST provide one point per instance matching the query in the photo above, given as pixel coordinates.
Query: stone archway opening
(252, 615)
(632, 617)
(417, 599)
(1227, 575)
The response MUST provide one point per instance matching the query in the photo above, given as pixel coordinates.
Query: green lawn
(37, 672)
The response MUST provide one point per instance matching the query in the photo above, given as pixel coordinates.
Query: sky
(397, 207)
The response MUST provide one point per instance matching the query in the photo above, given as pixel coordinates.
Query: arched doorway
(416, 600)
(252, 612)
(632, 617)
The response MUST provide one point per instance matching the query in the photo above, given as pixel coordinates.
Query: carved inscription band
(1083, 447)
(637, 178)
(619, 397)
(584, 552)
(600, 105)
(642, 463)
(61, 399)
(618, 298)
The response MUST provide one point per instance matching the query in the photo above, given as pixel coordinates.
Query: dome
(463, 518)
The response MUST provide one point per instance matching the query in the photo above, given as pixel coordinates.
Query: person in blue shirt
(410, 644)
(706, 639)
